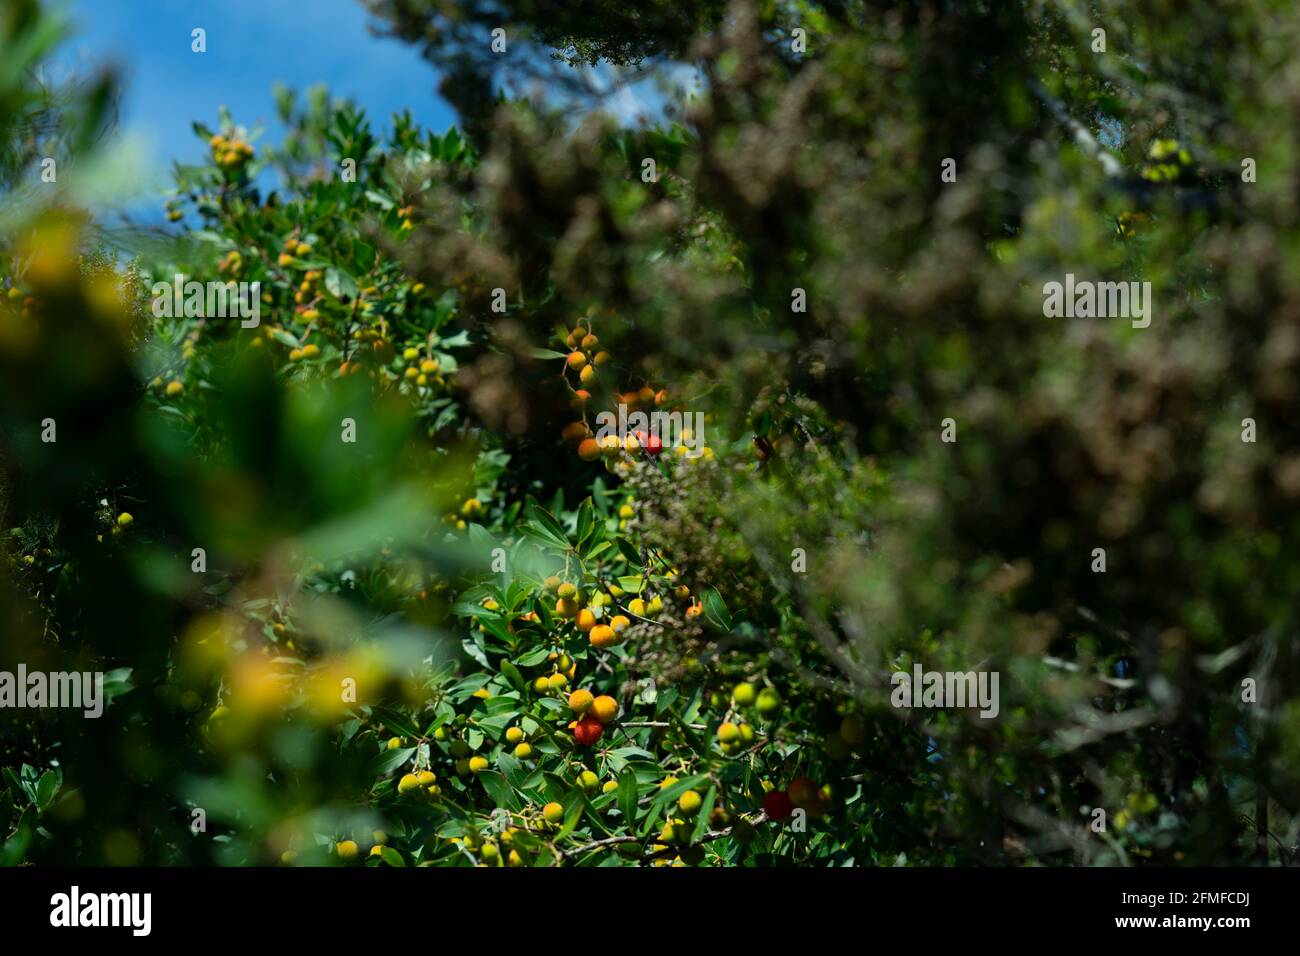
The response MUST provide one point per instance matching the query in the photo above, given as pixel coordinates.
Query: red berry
(588, 730)
(777, 805)
(653, 445)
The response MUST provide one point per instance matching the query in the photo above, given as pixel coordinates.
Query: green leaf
(573, 804)
(390, 760)
(340, 284)
(628, 550)
(627, 795)
(715, 610)
(46, 788)
(499, 789)
(706, 807)
(512, 674)
(391, 856)
(586, 519)
(395, 722)
(533, 657)
(547, 521)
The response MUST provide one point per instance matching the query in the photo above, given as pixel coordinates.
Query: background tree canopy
(350, 572)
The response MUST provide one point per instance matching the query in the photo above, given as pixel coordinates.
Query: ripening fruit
(478, 764)
(746, 734)
(667, 782)
(604, 708)
(619, 623)
(587, 374)
(524, 752)
(408, 783)
(541, 685)
(553, 813)
(429, 366)
(576, 360)
(574, 431)
(609, 787)
(174, 389)
(459, 748)
(852, 731)
(346, 849)
(602, 635)
(769, 702)
(728, 733)
(566, 608)
(566, 590)
(124, 519)
(689, 803)
(588, 781)
(514, 735)
(588, 342)
(489, 854)
(310, 350)
(585, 620)
(694, 611)
(580, 701)
(588, 449)
(557, 681)
(553, 584)
(802, 792)
(637, 607)
(426, 777)
(588, 730)
(581, 397)
(601, 358)
(777, 805)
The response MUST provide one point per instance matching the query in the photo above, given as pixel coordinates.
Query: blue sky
(250, 45)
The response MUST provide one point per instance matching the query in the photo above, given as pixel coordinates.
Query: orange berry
(604, 708)
(580, 701)
(602, 635)
(588, 449)
(574, 431)
(576, 360)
